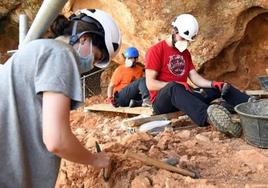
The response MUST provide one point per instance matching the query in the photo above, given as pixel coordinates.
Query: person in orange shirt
(127, 86)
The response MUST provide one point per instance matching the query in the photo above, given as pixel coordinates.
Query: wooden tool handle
(160, 164)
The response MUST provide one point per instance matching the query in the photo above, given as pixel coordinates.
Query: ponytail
(64, 26)
(61, 26)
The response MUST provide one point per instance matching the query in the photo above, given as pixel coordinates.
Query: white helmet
(186, 25)
(108, 29)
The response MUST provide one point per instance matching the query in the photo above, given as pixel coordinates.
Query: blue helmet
(131, 52)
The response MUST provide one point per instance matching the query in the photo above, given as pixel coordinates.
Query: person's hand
(215, 84)
(100, 160)
(109, 100)
(186, 86)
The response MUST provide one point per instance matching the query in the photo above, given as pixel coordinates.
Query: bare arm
(151, 81)
(57, 134)
(110, 90)
(198, 80)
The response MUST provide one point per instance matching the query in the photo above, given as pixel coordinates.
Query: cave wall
(231, 44)
(242, 61)
(9, 17)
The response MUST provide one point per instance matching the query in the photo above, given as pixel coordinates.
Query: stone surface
(226, 163)
(202, 138)
(141, 182)
(185, 134)
(252, 158)
(91, 142)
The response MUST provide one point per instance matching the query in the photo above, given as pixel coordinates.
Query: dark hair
(61, 26)
(64, 26)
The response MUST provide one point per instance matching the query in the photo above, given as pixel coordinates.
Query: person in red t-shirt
(127, 86)
(169, 64)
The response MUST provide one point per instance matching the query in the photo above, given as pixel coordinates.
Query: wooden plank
(126, 110)
(257, 92)
(132, 122)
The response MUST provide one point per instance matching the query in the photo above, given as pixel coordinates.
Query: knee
(175, 86)
(172, 88)
(142, 81)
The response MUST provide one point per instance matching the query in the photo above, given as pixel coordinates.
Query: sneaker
(253, 99)
(134, 103)
(146, 103)
(227, 106)
(225, 89)
(220, 118)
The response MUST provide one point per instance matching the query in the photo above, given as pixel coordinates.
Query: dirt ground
(221, 161)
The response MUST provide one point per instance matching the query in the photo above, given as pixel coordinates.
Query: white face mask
(129, 62)
(181, 45)
(85, 62)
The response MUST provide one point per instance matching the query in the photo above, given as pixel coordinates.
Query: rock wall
(9, 28)
(243, 60)
(232, 43)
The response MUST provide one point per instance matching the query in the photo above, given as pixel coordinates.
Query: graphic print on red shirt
(170, 64)
(176, 65)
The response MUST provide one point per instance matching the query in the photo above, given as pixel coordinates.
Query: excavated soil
(221, 161)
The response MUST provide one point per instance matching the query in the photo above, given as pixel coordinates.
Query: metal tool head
(105, 171)
(97, 147)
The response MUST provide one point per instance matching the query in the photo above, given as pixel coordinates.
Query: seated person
(169, 64)
(127, 86)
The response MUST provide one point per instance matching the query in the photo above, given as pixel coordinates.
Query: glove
(186, 86)
(217, 85)
(109, 100)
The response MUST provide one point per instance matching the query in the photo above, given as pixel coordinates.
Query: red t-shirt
(170, 64)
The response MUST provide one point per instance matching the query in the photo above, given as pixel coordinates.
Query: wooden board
(126, 110)
(257, 92)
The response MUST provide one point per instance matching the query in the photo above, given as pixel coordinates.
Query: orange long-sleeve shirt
(123, 76)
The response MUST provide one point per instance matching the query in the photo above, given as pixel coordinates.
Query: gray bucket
(263, 80)
(254, 120)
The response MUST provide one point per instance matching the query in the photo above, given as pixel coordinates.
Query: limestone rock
(252, 158)
(185, 134)
(202, 138)
(141, 182)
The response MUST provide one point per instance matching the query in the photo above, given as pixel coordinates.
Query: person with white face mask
(169, 64)
(85, 61)
(127, 86)
(39, 85)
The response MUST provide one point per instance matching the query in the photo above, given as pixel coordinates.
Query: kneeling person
(127, 86)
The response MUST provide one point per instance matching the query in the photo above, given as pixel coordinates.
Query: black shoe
(146, 103)
(225, 89)
(134, 103)
(253, 99)
(229, 107)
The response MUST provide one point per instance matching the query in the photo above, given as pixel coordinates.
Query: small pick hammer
(105, 171)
